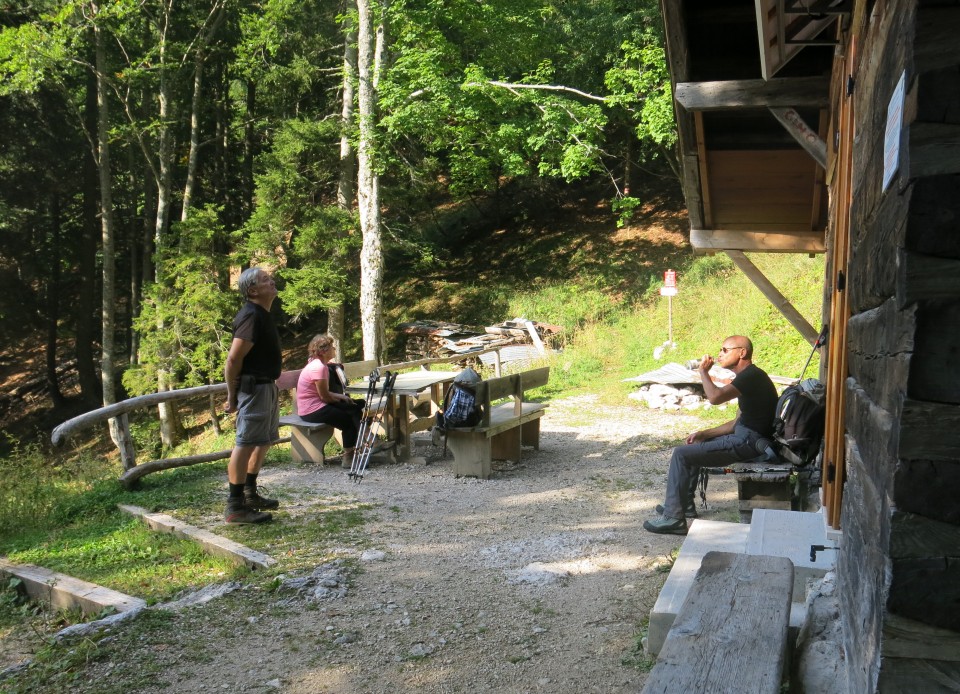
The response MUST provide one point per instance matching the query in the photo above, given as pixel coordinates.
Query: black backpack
(799, 421)
(460, 408)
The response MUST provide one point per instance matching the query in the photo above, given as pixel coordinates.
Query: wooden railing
(121, 410)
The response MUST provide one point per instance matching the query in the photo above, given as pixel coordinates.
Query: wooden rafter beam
(803, 134)
(779, 301)
(760, 241)
(797, 92)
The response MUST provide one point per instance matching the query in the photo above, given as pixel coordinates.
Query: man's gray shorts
(258, 416)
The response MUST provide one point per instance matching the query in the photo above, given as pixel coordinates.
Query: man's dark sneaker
(664, 525)
(239, 513)
(257, 502)
(689, 511)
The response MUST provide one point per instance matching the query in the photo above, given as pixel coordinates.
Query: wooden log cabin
(833, 126)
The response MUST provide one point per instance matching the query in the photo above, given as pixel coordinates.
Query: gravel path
(537, 580)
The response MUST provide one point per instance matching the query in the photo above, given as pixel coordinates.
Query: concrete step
(703, 536)
(772, 533)
(790, 534)
(64, 592)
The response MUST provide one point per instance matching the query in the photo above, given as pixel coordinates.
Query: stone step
(790, 534)
(702, 537)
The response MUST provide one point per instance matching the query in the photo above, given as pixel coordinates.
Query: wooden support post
(774, 296)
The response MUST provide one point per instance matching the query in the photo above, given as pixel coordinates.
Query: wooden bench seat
(504, 429)
(730, 636)
(308, 439)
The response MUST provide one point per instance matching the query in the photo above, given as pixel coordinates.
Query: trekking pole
(372, 380)
(819, 342)
(370, 435)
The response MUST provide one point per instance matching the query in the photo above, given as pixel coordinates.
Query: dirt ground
(537, 580)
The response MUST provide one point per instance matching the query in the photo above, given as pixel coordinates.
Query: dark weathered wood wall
(899, 570)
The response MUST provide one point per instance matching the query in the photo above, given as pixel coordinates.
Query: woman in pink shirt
(320, 396)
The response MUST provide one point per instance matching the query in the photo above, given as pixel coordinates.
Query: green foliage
(185, 319)
(570, 306)
(294, 227)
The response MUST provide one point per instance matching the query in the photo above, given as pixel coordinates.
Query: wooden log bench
(308, 439)
(504, 428)
(730, 636)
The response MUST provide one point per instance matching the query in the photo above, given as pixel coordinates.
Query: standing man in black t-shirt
(728, 443)
(253, 366)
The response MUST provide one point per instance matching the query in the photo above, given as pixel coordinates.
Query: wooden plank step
(215, 545)
(731, 634)
(703, 536)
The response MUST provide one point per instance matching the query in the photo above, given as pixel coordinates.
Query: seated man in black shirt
(732, 442)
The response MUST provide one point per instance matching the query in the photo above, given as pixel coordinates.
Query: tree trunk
(85, 323)
(248, 150)
(368, 190)
(216, 19)
(348, 166)
(119, 430)
(193, 155)
(53, 302)
(137, 251)
(170, 427)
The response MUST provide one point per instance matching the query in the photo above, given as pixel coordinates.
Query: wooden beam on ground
(762, 241)
(800, 92)
(779, 301)
(730, 636)
(803, 134)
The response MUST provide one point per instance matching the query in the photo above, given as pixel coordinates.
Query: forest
(154, 147)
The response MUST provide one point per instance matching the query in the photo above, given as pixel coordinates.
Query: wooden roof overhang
(752, 115)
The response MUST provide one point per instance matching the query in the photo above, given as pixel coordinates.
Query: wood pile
(429, 339)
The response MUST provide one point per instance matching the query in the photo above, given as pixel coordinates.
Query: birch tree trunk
(169, 424)
(348, 165)
(119, 431)
(368, 190)
(84, 322)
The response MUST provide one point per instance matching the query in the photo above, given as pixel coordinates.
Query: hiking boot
(253, 499)
(346, 461)
(238, 513)
(689, 511)
(436, 436)
(665, 525)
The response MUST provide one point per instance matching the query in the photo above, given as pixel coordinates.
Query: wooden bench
(730, 636)
(307, 439)
(504, 428)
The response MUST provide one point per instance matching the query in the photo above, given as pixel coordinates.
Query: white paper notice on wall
(891, 137)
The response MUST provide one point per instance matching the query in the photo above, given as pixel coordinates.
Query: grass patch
(636, 657)
(122, 553)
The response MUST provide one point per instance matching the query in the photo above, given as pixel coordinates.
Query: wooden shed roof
(751, 83)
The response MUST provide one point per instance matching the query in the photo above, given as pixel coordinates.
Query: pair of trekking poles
(370, 424)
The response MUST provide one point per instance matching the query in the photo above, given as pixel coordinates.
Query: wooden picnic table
(402, 420)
